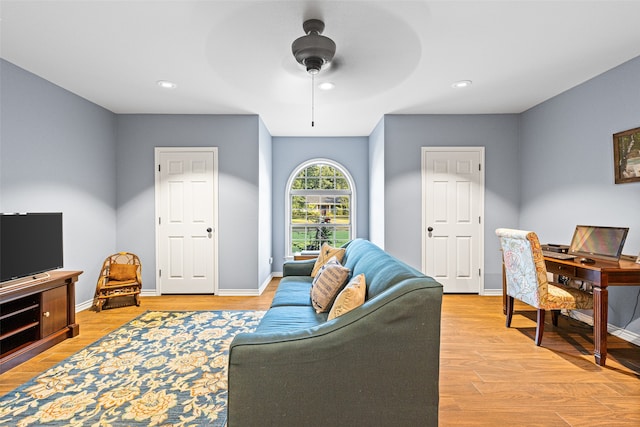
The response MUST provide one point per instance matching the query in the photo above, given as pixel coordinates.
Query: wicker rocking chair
(121, 276)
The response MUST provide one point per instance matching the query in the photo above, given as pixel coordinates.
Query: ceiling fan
(313, 51)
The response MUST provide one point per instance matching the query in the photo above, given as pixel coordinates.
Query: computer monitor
(598, 242)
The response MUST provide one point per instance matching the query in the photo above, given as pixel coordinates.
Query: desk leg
(600, 312)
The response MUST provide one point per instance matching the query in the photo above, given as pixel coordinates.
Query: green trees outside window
(320, 208)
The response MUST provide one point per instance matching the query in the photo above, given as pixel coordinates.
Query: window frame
(289, 190)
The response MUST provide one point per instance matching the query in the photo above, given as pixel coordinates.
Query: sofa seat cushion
(290, 319)
(293, 290)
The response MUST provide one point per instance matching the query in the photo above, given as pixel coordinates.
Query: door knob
(430, 229)
(209, 230)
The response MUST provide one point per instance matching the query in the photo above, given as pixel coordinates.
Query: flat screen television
(30, 244)
(599, 242)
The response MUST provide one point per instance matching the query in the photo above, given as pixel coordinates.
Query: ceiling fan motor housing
(313, 50)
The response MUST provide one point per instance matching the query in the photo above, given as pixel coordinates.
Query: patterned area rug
(164, 368)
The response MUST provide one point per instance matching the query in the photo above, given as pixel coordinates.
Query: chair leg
(554, 317)
(540, 326)
(509, 310)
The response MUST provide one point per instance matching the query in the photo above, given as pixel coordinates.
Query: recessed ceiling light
(165, 84)
(461, 84)
(327, 86)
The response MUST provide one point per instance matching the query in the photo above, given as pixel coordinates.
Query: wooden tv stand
(36, 315)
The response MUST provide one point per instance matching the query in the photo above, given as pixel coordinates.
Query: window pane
(312, 184)
(298, 201)
(298, 184)
(341, 236)
(341, 184)
(298, 239)
(328, 183)
(312, 200)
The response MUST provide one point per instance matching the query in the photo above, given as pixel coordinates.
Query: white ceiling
(393, 57)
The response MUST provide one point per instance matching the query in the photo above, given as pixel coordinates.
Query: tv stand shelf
(36, 315)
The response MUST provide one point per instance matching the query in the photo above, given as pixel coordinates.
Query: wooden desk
(602, 274)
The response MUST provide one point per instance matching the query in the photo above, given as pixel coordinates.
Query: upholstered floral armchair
(526, 278)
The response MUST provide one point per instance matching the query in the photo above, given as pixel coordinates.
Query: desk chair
(121, 275)
(526, 277)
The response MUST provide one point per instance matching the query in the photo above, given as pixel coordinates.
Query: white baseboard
(149, 293)
(246, 292)
(492, 293)
(84, 305)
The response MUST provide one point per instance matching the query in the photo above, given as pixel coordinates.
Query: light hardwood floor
(489, 375)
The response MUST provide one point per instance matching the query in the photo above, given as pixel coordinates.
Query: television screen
(598, 242)
(30, 243)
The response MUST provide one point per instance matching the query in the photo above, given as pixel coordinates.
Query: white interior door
(453, 198)
(186, 201)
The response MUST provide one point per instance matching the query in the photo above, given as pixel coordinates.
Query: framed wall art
(626, 155)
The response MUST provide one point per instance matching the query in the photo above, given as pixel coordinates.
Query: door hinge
(479, 272)
(479, 166)
(159, 220)
(158, 168)
(159, 273)
(479, 220)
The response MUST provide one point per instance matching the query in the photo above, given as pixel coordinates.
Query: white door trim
(481, 152)
(158, 151)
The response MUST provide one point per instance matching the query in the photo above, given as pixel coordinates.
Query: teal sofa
(376, 365)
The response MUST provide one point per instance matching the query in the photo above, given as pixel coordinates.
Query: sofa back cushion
(381, 269)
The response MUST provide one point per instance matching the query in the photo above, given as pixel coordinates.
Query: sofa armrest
(375, 365)
(298, 268)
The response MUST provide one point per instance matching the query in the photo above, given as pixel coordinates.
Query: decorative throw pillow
(326, 252)
(350, 297)
(327, 283)
(122, 272)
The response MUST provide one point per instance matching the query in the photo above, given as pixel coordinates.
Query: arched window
(320, 206)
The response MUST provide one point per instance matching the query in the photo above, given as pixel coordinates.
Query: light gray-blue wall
(376, 185)
(265, 197)
(236, 137)
(405, 135)
(567, 169)
(290, 152)
(57, 154)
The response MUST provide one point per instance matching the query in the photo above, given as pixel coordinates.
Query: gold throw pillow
(326, 252)
(350, 297)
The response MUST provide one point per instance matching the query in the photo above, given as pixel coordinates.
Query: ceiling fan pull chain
(313, 100)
